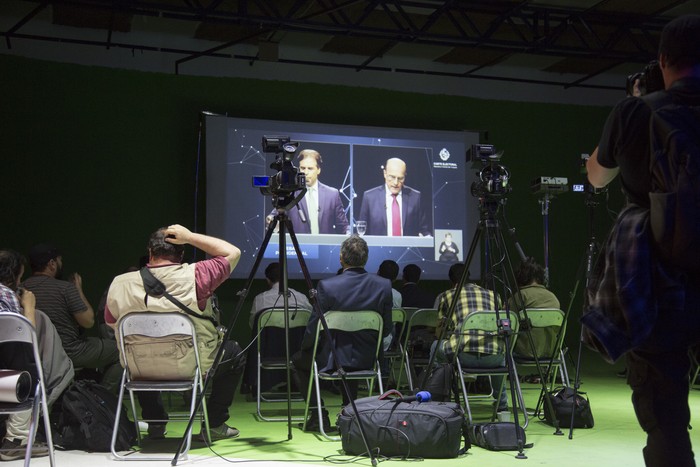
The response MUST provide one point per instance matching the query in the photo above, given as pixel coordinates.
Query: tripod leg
(329, 338)
(220, 352)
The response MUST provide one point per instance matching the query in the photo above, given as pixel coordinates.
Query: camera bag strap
(155, 288)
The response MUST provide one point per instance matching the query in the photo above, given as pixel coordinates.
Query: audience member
(193, 285)
(478, 350)
(530, 277)
(272, 298)
(65, 304)
(56, 366)
(272, 340)
(389, 269)
(353, 290)
(411, 294)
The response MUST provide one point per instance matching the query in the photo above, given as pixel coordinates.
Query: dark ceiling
(566, 42)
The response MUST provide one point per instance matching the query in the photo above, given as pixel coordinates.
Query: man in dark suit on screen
(320, 211)
(394, 209)
(353, 290)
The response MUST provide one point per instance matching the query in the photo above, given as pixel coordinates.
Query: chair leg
(115, 429)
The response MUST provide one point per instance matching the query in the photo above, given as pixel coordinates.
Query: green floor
(616, 440)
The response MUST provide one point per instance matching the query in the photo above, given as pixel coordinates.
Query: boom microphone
(420, 396)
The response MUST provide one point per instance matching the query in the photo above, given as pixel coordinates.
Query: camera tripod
(498, 276)
(587, 262)
(283, 203)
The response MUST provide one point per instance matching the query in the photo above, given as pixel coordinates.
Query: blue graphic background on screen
(353, 158)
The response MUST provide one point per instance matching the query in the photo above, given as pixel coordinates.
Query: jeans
(476, 360)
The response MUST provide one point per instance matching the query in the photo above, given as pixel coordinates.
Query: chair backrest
(16, 328)
(274, 318)
(546, 324)
(424, 317)
(158, 346)
(483, 322)
(353, 321)
(398, 320)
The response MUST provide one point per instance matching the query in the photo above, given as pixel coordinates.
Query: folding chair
(484, 323)
(548, 337)
(395, 351)
(272, 319)
(16, 328)
(346, 321)
(420, 319)
(145, 339)
(694, 365)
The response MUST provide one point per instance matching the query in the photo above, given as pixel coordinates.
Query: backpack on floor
(86, 419)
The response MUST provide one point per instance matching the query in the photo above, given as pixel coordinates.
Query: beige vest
(127, 295)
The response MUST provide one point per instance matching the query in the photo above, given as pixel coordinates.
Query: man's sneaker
(13, 449)
(156, 431)
(222, 431)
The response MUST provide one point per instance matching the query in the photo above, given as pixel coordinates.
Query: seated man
(56, 366)
(272, 340)
(353, 290)
(193, 285)
(476, 351)
(70, 312)
(530, 277)
(272, 299)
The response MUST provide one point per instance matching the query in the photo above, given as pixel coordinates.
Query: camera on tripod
(650, 79)
(493, 177)
(288, 179)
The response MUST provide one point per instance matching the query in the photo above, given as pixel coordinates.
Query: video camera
(493, 178)
(287, 180)
(650, 79)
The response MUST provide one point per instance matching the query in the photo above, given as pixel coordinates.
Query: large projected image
(398, 188)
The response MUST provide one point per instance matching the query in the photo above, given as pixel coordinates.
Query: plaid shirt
(8, 300)
(471, 298)
(621, 310)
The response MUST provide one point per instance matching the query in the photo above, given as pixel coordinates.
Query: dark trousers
(100, 353)
(223, 387)
(302, 372)
(658, 374)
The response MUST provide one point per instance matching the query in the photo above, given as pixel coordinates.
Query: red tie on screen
(395, 218)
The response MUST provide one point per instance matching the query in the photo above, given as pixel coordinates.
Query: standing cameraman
(660, 302)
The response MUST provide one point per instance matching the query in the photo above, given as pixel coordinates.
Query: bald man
(394, 209)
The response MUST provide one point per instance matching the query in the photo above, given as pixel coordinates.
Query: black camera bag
(499, 436)
(563, 403)
(406, 429)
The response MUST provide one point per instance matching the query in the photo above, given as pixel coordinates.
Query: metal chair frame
(274, 318)
(421, 317)
(346, 321)
(485, 322)
(158, 325)
(16, 328)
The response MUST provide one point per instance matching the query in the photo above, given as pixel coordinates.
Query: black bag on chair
(406, 429)
(563, 403)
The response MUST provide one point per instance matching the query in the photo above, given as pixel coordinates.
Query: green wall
(95, 158)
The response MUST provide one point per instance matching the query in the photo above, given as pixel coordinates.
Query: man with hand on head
(193, 286)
